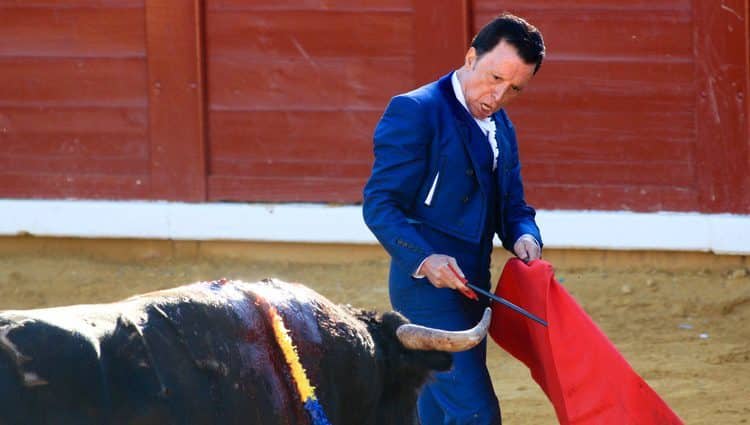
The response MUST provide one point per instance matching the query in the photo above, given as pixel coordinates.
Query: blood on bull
(218, 352)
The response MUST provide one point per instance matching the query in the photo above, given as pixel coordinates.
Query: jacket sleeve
(518, 217)
(401, 143)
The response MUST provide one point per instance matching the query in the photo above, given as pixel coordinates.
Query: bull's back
(201, 354)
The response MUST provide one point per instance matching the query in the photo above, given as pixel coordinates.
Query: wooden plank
(65, 32)
(592, 104)
(640, 78)
(443, 27)
(677, 174)
(85, 147)
(24, 121)
(611, 129)
(309, 34)
(100, 186)
(548, 98)
(285, 189)
(613, 197)
(299, 168)
(297, 5)
(74, 141)
(299, 84)
(722, 152)
(73, 160)
(494, 6)
(546, 196)
(569, 147)
(102, 152)
(615, 118)
(611, 34)
(176, 100)
(280, 144)
(553, 149)
(73, 4)
(106, 83)
(277, 135)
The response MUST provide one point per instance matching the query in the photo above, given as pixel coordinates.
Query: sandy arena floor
(687, 333)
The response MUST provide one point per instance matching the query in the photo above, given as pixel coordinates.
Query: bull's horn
(418, 337)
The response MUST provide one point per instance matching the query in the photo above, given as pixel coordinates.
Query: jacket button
(469, 171)
(460, 223)
(466, 199)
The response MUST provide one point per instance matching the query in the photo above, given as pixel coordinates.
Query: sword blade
(508, 304)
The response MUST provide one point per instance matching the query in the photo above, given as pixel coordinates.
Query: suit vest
(481, 146)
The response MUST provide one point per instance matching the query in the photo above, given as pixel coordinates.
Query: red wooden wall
(295, 89)
(73, 99)
(641, 105)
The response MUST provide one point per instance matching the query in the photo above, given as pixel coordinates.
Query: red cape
(584, 376)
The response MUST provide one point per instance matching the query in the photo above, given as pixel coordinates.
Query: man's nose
(500, 92)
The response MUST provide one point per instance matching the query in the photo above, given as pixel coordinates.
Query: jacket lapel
(464, 123)
(501, 136)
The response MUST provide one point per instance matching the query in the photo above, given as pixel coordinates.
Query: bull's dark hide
(206, 354)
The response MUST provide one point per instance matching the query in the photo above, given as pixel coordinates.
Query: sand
(687, 332)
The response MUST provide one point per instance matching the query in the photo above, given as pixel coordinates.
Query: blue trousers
(464, 394)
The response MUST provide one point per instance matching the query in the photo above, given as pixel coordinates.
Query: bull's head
(411, 353)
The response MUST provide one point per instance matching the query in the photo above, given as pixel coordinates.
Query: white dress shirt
(487, 125)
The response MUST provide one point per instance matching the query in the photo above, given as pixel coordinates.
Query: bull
(209, 353)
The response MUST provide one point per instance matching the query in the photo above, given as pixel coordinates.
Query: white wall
(718, 233)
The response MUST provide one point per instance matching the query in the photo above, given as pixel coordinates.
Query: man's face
(490, 82)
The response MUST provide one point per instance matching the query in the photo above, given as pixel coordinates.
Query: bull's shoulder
(310, 315)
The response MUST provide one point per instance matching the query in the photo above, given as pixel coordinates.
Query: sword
(500, 300)
(508, 304)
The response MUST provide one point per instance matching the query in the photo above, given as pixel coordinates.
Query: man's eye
(495, 77)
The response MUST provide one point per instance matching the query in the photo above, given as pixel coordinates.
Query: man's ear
(471, 58)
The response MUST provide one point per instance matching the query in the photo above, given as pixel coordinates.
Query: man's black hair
(520, 34)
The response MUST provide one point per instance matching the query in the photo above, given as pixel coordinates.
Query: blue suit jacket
(426, 172)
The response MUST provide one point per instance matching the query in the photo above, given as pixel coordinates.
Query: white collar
(486, 123)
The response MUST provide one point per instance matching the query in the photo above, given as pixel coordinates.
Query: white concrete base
(719, 233)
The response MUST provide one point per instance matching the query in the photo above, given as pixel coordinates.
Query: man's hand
(527, 248)
(443, 272)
